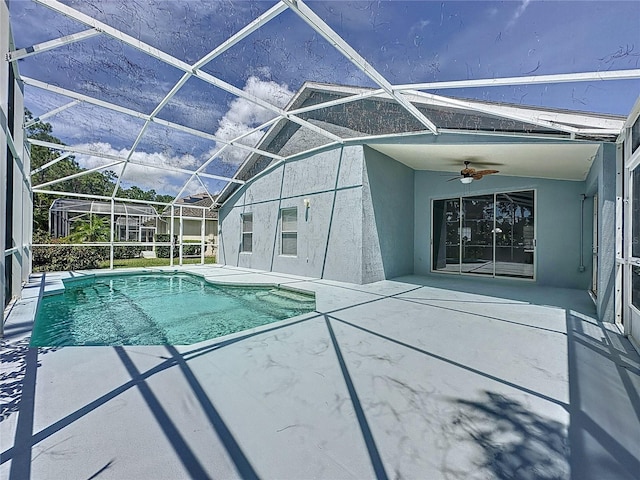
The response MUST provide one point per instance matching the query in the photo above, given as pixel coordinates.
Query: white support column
(624, 254)
(112, 233)
(126, 227)
(171, 234)
(4, 102)
(23, 217)
(202, 235)
(180, 239)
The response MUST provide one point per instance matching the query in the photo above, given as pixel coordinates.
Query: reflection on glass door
(485, 235)
(514, 234)
(446, 235)
(477, 235)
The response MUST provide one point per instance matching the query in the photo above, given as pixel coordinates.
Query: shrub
(163, 251)
(65, 257)
(122, 252)
(191, 249)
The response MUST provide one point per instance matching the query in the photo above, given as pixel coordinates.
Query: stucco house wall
(388, 217)
(369, 218)
(601, 181)
(330, 230)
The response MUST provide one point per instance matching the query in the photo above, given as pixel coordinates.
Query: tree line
(94, 183)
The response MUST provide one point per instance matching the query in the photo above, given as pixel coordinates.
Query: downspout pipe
(582, 268)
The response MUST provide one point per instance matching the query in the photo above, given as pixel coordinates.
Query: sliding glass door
(485, 234)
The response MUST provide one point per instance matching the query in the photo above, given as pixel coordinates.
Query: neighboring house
(376, 203)
(199, 217)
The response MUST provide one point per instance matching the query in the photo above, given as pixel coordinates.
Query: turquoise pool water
(157, 309)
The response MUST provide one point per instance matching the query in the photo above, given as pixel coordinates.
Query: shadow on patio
(391, 392)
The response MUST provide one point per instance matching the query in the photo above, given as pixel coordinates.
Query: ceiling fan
(468, 174)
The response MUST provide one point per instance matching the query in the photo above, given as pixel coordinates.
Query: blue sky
(406, 42)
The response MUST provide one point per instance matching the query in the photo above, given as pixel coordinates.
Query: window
(247, 233)
(289, 231)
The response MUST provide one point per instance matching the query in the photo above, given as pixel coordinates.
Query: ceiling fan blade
(455, 178)
(467, 171)
(486, 172)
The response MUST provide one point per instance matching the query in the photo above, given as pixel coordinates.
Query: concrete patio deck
(435, 377)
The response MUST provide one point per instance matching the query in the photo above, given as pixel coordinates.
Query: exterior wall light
(306, 202)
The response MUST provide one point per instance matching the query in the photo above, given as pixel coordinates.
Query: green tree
(95, 183)
(96, 229)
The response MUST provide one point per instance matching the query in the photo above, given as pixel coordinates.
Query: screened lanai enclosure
(126, 107)
(132, 222)
(457, 183)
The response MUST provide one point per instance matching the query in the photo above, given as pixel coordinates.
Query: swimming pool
(157, 309)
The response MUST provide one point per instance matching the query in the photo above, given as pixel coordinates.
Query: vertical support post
(4, 151)
(111, 233)
(623, 268)
(495, 208)
(171, 240)
(180, 238)
(460, 247)
(27, 202)
(202, 234)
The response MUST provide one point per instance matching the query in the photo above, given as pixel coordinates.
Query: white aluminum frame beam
(51, 44)
(224, 147)
(101, 197)
(488, 109)
(143, 116)
(246, 31)
(79, 174)
(177, 63)
(84, 151)
(319, 25)
(51, 113)
(526, 80)
(51, 163)
(339, 101)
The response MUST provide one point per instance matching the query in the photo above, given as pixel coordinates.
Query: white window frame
(627, 314)
(284, 232)
(244, 233)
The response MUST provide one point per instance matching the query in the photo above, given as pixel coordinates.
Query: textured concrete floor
(434, 377)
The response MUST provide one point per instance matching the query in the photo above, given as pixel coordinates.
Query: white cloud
(518, 13)
(244, 115)
(151, 175)
(148, 172)
(420, 25)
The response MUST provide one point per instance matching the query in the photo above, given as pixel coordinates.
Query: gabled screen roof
(177, 95)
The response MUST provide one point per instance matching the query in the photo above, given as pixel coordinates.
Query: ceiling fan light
(466, 179)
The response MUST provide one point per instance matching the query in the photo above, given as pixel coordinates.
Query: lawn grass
(154, 262)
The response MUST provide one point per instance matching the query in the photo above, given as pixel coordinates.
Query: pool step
(276, 294)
